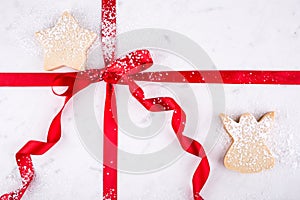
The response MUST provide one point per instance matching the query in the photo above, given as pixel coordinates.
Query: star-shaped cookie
(66, 44)
(248, 152)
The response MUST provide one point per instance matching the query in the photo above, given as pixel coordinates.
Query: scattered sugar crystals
(108, 34)
(111, 195)
(248, 152)
(285, 147)
(66, 43)
(282, 142)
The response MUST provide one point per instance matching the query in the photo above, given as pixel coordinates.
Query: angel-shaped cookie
(248, 152)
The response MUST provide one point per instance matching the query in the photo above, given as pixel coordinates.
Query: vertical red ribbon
(110, 129)
(110, 150)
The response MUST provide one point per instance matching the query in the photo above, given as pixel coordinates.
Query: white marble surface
(256, 34)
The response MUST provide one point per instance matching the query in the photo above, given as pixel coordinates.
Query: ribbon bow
(118, 72)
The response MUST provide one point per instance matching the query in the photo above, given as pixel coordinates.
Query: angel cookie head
(248, 153)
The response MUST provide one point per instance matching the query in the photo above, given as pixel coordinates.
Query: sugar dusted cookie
(66, 44)
(248, 152)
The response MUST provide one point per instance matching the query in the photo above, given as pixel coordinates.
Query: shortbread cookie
(248, 152)
(66, 44)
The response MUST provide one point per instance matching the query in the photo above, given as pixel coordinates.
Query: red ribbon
(77, 81)
(200, 76)
(126, 71)
(120, 71)
(123, 71)
(110, 125)
(223, 77)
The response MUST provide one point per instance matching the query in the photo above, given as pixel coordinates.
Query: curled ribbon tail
(33, 147)
(161, 104)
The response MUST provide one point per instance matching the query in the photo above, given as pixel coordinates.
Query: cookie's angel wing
(266, 122)
(231, 127)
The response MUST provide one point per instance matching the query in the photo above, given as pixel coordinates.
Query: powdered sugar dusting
(282, 143)
(108, 31)
(111, 195)
(66, 43)
(284, 146)
(248, 153)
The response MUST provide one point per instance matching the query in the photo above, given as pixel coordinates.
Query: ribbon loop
(132, 63)
(119, 71)
(114, 73)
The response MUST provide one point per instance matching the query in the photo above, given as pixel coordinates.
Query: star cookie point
(65, 44)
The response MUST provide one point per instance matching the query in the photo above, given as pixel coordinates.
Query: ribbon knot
(118, 70)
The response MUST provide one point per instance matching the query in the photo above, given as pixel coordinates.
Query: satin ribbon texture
(118, 72)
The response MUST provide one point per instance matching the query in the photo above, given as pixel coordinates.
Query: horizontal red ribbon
(75, 82)
(204, 76)
(128, 73)
(120, 71)
(223, 77)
